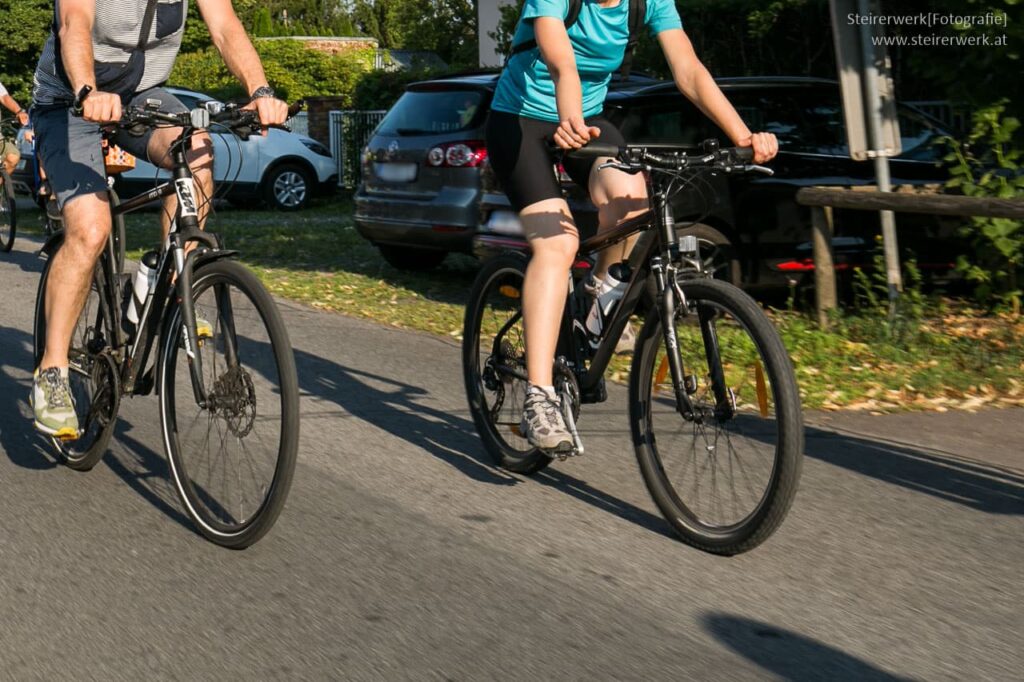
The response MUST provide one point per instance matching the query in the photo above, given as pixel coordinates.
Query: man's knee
(87, 222)
(200, 157)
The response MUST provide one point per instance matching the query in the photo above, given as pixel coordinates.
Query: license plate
(395, 172)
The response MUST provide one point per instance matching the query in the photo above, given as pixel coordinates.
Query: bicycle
(712, 395)
(209, 387)
(8, 209)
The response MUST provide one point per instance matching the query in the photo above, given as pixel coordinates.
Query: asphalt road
(402, 554)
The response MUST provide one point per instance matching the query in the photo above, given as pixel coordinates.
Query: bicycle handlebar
(637, 157)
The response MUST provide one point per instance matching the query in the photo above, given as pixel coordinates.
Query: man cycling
(555, 90)
(109, 54)
(9, 154)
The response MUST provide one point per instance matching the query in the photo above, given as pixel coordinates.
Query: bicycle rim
(232, 462)
(726, 477)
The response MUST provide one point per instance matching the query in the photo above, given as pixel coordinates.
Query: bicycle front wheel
(231, 459)
(8, 213)
(725, 476)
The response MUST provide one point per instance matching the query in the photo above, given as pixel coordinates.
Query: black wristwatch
(262, 91)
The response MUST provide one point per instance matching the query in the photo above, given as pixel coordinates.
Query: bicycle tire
(8, 213)
(211, 516)
(777, 384)
(517, 456)
(85, 452)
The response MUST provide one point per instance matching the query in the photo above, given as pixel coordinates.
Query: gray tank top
(115, 33)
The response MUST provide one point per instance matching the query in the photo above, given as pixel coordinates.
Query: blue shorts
(71, 148)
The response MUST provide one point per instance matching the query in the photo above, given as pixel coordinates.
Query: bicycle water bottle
(607, 295)
(142, 287)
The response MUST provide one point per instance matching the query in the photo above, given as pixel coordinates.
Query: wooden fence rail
(822, 201)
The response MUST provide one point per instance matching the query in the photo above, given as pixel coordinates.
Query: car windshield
(432, 112)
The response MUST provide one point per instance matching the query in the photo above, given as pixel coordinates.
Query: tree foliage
(24, 27)
(293, 69)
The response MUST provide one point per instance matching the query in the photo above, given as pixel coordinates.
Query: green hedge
(294, 70)
(380, 89)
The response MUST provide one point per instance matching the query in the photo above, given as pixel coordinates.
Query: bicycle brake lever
(617, 165)
(753, 167)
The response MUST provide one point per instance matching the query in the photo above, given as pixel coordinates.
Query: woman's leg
(549, 227)
(618, 196)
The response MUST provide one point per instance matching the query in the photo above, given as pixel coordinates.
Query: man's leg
(86, 228)
(200, 160)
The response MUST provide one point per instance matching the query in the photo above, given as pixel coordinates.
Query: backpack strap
(570, 18)
(147, 25)
(637, 15)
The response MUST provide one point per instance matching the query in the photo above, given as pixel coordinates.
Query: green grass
(951, 357)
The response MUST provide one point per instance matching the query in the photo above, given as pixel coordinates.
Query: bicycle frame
(174, 275)
(655, 253)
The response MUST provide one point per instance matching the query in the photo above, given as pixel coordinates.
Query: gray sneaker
(542, 423)
(53, 405)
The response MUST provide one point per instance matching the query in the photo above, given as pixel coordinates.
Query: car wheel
(716, 250)
(287, 187)
(407, 258)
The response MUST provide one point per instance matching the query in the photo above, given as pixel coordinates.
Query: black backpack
(637, 12)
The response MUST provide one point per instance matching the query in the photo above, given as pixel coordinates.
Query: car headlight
(317, 148)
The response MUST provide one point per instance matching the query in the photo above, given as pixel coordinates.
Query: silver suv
(420, 192)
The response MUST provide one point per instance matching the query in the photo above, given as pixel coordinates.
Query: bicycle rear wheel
(494, 364)
(724, 478)
(95, 386)
(8, 213)
(232, 461)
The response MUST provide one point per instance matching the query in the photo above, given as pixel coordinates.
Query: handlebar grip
(595, 150)
(744, 154)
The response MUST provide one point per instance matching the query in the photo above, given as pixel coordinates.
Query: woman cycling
(556, 91)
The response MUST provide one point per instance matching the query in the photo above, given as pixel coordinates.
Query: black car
(764, 235)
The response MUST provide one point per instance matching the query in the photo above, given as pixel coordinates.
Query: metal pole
(873, 108)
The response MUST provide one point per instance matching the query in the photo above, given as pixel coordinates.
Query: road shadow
(987, 489)
(20, 441)
(397, 408)
(25, 255)
(788, 655)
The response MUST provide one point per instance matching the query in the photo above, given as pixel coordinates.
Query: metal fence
(350, 130)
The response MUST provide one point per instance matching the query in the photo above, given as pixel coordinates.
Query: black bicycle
(228, 392)
(8, 209)
(713, 401)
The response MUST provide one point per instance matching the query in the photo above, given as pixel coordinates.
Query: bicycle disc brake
(235, 400)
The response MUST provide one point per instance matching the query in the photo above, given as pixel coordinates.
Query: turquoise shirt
(598, 38)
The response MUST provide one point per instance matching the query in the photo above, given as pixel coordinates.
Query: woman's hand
(765, 146)
(573, 133)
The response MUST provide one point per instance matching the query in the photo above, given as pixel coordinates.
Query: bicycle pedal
(563, 452)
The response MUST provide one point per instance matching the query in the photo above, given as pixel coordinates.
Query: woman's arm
(696, 83)
(556, 51)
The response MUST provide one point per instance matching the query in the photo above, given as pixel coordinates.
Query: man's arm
(238, 53)
(75, 31)
(695, 82)
(15, 108)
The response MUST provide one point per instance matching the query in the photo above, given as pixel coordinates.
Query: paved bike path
(402, 554)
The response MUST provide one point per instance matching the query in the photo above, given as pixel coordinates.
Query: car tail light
(802, 265)
(468, 154)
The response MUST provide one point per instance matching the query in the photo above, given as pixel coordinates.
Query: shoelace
(551, 409)
(55, 390)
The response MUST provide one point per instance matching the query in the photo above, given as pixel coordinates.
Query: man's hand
(101, 107)
(765, 146)
(573, 133)
(272, 111)
(23, 117)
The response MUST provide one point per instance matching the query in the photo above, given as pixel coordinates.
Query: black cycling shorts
(521, 157)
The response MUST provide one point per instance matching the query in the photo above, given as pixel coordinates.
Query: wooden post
(824, 271)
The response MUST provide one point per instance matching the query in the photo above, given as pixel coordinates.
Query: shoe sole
(64, 433)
